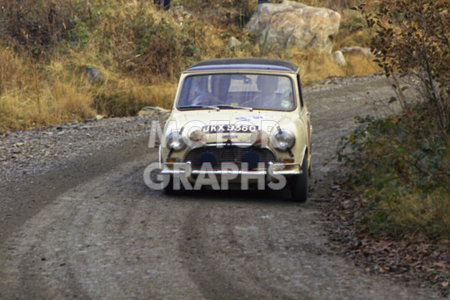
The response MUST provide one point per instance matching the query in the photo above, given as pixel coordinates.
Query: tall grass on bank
(46, 46)
(27, 99)
(316, 66)
(126, 97)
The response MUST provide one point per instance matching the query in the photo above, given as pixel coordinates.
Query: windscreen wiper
(235, 107)
(199, 107)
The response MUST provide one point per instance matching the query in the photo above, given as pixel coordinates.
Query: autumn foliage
(401, 163)
(412, 37)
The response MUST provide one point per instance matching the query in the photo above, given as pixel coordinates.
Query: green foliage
(400, 164)
(79, 35)
(160, 47)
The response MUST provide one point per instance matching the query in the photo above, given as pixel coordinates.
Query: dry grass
(125, 97)
(31, 107)
(412, 212)
(141, 52)
(29, 99)
(11, 69)
(318, 66)
(314, 66)
(360, 65)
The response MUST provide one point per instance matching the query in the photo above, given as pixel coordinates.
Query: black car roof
(245, 63)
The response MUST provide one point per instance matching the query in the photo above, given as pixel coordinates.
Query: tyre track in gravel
(110, 237)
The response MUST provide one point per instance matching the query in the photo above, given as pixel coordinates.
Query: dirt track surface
(90, 228)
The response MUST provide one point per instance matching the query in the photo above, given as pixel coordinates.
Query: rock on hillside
(293, 24)
(358, 51)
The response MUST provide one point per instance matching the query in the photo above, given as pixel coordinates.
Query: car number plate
(229, 128)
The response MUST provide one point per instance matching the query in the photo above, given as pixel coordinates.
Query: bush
(400, 164)
(36, 24)
(161, 47)
(401, 167)
(225, 12)
(412, 36)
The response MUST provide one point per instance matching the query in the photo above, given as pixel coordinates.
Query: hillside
(65, 60)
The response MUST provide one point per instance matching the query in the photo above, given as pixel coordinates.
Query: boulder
(339, 58)
(150, 109)
(93, 74)
(294, 24)
(361, 51)
(234, 43)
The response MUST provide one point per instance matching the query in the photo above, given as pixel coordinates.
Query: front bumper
(272, 170)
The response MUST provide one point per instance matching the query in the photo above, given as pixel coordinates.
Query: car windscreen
(256, 91)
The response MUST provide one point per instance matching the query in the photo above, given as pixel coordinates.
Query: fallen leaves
(416, 259)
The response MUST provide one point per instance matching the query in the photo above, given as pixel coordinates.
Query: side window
(300, 89)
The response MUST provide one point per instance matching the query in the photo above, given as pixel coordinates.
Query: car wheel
(168, 189)
(299, 183)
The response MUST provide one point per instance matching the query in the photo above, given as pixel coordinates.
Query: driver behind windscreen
(219, 90)
(267, 85)
(220, 85)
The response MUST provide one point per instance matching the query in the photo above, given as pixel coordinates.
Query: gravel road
(77, 220)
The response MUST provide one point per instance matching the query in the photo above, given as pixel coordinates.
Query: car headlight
(283, 140)
(175, 141)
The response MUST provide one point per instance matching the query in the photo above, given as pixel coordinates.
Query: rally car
(237, 120)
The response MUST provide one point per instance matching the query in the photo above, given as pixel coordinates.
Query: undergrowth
(400, 164)
(46, 46)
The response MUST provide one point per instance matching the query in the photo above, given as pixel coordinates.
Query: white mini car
(238, 121)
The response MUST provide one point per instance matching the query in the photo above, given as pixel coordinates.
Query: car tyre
(168, 189)
(299, 183)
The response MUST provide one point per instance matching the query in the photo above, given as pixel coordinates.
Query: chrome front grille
(227, 154)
